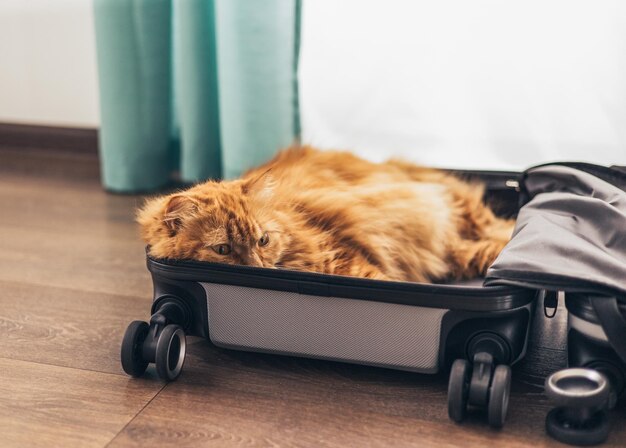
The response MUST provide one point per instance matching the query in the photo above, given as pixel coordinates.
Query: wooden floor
(72, 276)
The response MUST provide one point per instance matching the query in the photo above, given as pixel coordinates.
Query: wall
(451, 83)
(47, 63)
(457, 83)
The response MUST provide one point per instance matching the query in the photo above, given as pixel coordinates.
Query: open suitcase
(475, 332)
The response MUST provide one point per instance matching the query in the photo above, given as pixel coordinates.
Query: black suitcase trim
(465, 298)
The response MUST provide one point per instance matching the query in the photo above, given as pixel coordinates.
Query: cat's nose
(255, 260)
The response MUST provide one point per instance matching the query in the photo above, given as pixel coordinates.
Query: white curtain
(468, 84)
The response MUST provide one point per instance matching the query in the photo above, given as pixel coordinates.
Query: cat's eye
(222, 249)
(264, 239)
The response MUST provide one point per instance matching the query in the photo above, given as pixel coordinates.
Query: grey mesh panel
(359, 331)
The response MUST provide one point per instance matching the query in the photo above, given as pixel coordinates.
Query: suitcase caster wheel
(593, 432)
(479, 385)
(171, 348)
(133, 362)
(458, 388)
(499, 396)
(581, 396)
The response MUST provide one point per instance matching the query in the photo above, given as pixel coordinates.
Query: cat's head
(225, 222)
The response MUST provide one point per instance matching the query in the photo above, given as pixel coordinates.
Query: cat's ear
(260, 186)
(176, 208)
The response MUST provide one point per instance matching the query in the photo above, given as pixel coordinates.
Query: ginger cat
(334, 213)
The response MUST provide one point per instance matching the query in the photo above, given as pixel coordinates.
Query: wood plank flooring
(72, 276)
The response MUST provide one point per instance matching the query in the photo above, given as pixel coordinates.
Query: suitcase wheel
(593, 432)
(162, 341)
(499, 396)
(581, 397)
(458, 389)
(482, 385)
(170, 352)
(132, 347)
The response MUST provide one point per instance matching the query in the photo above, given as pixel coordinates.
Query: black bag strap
(612, 321)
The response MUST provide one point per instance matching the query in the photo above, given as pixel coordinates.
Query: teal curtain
(206, 88)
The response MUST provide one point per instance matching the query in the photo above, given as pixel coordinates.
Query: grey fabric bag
(570, 236)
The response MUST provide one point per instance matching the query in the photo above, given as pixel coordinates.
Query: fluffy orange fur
(334, 213)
